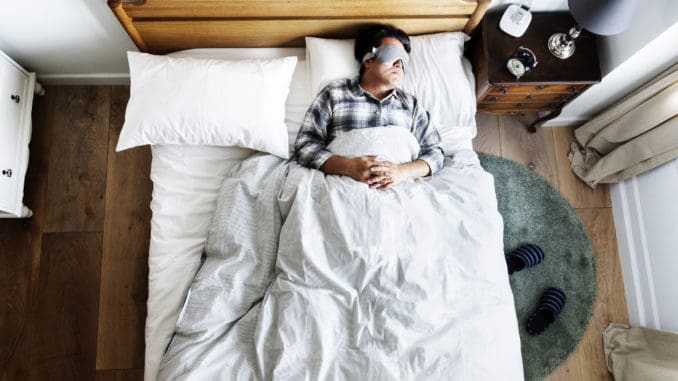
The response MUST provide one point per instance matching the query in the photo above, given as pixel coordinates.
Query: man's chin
(396, 82)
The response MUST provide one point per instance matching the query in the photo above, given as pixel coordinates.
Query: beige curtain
(638, 133)
(638, 353)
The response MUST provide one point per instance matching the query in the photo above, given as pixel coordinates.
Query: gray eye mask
(388, 55)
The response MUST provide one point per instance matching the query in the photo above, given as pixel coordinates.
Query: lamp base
(560, 46)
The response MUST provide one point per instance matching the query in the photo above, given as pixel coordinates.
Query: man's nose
(398, 63)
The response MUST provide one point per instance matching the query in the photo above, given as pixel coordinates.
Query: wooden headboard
(162, 26)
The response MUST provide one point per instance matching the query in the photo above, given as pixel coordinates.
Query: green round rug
(534, 212)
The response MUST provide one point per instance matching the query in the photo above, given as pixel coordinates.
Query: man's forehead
(391, 41)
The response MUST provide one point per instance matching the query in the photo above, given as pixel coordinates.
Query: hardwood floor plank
(487, 140)
(124, 269)
(64, 345)
(20, 256)
(79, 143)
(588, 360)
(575, 191)
(525, 148)
(120, 375)
(15, 259)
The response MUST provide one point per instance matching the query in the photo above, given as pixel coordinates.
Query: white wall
(628, 60)
(645, 211)
(535, 5)
(71, 40)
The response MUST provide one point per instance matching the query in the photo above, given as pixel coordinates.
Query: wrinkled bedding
(317, 277)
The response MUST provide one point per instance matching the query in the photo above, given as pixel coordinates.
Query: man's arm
(429, 139)
(310, 145)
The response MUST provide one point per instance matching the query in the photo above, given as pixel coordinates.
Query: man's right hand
(357, 168)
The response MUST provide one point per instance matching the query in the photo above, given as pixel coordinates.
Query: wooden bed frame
(162, 26)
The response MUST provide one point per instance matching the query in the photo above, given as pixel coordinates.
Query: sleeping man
(371, 100)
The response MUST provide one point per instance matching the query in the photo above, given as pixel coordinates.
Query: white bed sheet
(186, 182)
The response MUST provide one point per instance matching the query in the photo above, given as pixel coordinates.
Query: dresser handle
(15, 98)
(540, 87)
(7, 172)
(503, 90)
(493, 99)
(528, 97)
(573, 89)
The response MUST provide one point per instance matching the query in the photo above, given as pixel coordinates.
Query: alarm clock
(521, 62)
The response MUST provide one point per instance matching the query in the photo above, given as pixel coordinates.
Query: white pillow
(298, 98)
(435, 75)
(207, 102)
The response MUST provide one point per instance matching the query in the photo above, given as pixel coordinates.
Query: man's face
(390, 75)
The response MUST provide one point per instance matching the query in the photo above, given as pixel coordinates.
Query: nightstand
(546, 88)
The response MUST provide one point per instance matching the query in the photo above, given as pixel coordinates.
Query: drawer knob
(7, 172)
(540, 87)
(15, 98)
(528, 97)
(504, 90)
(493, 99)
(573, 89)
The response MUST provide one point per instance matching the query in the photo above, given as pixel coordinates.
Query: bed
(191, 182)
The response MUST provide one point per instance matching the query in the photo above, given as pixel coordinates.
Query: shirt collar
(358, 91)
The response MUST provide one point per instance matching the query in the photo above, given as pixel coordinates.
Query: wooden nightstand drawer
(519, 107)
(536, 89)
(523, 97)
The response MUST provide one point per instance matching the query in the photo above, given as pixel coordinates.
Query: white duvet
(318, 277)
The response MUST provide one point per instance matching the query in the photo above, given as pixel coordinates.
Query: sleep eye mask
(388, 55)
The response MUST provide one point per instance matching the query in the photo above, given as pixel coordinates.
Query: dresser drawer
(535, 89)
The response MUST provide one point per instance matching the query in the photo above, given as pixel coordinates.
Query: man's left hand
(386, 175)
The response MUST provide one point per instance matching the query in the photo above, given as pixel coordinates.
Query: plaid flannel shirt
(343, 106)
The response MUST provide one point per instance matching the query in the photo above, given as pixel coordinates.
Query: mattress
(186, 182)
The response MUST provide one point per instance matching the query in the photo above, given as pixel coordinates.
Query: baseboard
(562, 122)
(641, 298)
(85, 79)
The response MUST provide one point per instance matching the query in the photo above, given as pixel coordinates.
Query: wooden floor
(73, 277)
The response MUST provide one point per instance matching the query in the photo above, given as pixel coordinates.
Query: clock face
(516, 67)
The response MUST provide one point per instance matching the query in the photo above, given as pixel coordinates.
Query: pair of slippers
(552, 300)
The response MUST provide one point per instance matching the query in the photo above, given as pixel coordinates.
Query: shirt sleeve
(429, 139)
(310, 146)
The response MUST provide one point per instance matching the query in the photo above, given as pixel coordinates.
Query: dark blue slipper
(551, 303)
(524, 257)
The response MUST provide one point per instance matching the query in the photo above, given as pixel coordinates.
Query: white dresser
(16, 102)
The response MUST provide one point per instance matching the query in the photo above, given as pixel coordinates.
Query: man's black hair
(370, 37)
